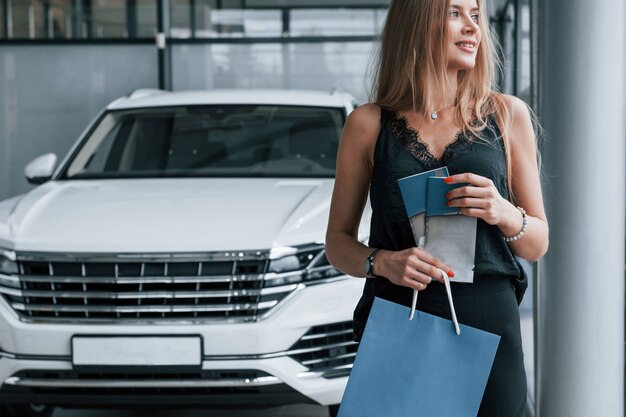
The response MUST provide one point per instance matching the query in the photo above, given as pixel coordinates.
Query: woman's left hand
(480, 198)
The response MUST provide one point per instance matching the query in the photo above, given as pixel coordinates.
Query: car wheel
(29, 410)
(333, 410)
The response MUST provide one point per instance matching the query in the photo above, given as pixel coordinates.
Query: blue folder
(414, 189)
(417, 368)
(436, 200)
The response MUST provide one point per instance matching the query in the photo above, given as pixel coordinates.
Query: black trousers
(488, 304)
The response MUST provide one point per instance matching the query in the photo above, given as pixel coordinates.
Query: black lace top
(411, 140)
(399, 152)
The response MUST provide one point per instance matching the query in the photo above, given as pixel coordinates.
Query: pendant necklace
(434, 114)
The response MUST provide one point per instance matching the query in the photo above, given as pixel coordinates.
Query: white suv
(176, 256)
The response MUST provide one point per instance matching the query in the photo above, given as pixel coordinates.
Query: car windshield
(219, 141)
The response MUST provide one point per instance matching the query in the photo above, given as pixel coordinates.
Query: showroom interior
(63, 63)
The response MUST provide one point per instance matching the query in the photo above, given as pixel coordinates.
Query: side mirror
(40, 169)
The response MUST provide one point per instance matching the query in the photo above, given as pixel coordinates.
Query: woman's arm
(526, 188)
(412, 267)
(352, 180)
(483, 200)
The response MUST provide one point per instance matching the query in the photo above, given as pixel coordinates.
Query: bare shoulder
(365, 118)
(521, 132)
(362, 129)
(517, 106)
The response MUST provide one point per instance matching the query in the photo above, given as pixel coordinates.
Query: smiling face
(463, 34)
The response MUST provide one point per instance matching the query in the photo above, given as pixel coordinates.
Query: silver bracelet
(524, 227)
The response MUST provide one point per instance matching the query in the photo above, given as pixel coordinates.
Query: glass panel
(508, 49)
(27, 19)
(236, 4)
(221, 141)
(146, 18)
(33, 20)
(332, 22)
(180, 14)
(237, 23)
(227, 23)
(39, 16)
(203, 16)
(2, 23)
(263, 23)
(61, 19)
(319, 66)
(381, 16)
(524, 70)
(315, 3)
(109, 19)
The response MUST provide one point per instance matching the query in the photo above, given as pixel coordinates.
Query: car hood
(167, 215)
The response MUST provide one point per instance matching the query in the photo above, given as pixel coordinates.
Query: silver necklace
(434, 114)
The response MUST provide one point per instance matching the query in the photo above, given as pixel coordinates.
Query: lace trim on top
(412, 142)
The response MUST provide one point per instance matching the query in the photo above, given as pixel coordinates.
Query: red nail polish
(451, 274)
(448, 180)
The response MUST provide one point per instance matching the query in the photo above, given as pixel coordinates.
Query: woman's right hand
(414, 268)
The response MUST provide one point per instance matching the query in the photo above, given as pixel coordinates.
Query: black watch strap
(370, 271)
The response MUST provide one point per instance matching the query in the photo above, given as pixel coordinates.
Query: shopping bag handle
(446, 281)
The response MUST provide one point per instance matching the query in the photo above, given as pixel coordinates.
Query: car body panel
(170, 215)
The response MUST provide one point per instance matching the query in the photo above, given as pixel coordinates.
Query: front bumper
(256, 364)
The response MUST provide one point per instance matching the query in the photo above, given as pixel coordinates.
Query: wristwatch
(368, 265)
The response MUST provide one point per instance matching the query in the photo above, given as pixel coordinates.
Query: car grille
(327, 350)
(217, 286)
(163, 380)
(205, 389)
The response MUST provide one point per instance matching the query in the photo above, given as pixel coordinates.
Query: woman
(433, 106)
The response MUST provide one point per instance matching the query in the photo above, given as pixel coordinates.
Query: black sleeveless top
(400, 153)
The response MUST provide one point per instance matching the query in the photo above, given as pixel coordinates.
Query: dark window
(237, 140)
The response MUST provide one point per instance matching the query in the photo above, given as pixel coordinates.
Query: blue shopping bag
(420, 367)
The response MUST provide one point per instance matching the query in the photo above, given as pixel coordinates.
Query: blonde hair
(410, 66)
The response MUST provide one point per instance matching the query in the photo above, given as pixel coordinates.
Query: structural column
(162, 41)
(8, 19)
(131, 18)
(582, 106)
(87, 18)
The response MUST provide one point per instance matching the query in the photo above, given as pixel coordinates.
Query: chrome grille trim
(164, 383)
(249, 255)
(328, 351)
(320, 348)
(195, 287)
(186, 287)
(316, 361)
(156, 294)
(153, 309)
(323, 335)
(335, 372)
(9, 280)
(144, 280)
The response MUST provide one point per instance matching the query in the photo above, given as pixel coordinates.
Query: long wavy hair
(410, 67)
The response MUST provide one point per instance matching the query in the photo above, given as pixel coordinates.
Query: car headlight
(302, 264)
(8, 269)
(8, 263)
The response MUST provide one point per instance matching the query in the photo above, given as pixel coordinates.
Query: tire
(28, 410)
(333, 410)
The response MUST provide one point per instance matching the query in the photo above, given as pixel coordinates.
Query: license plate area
(162, 352)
